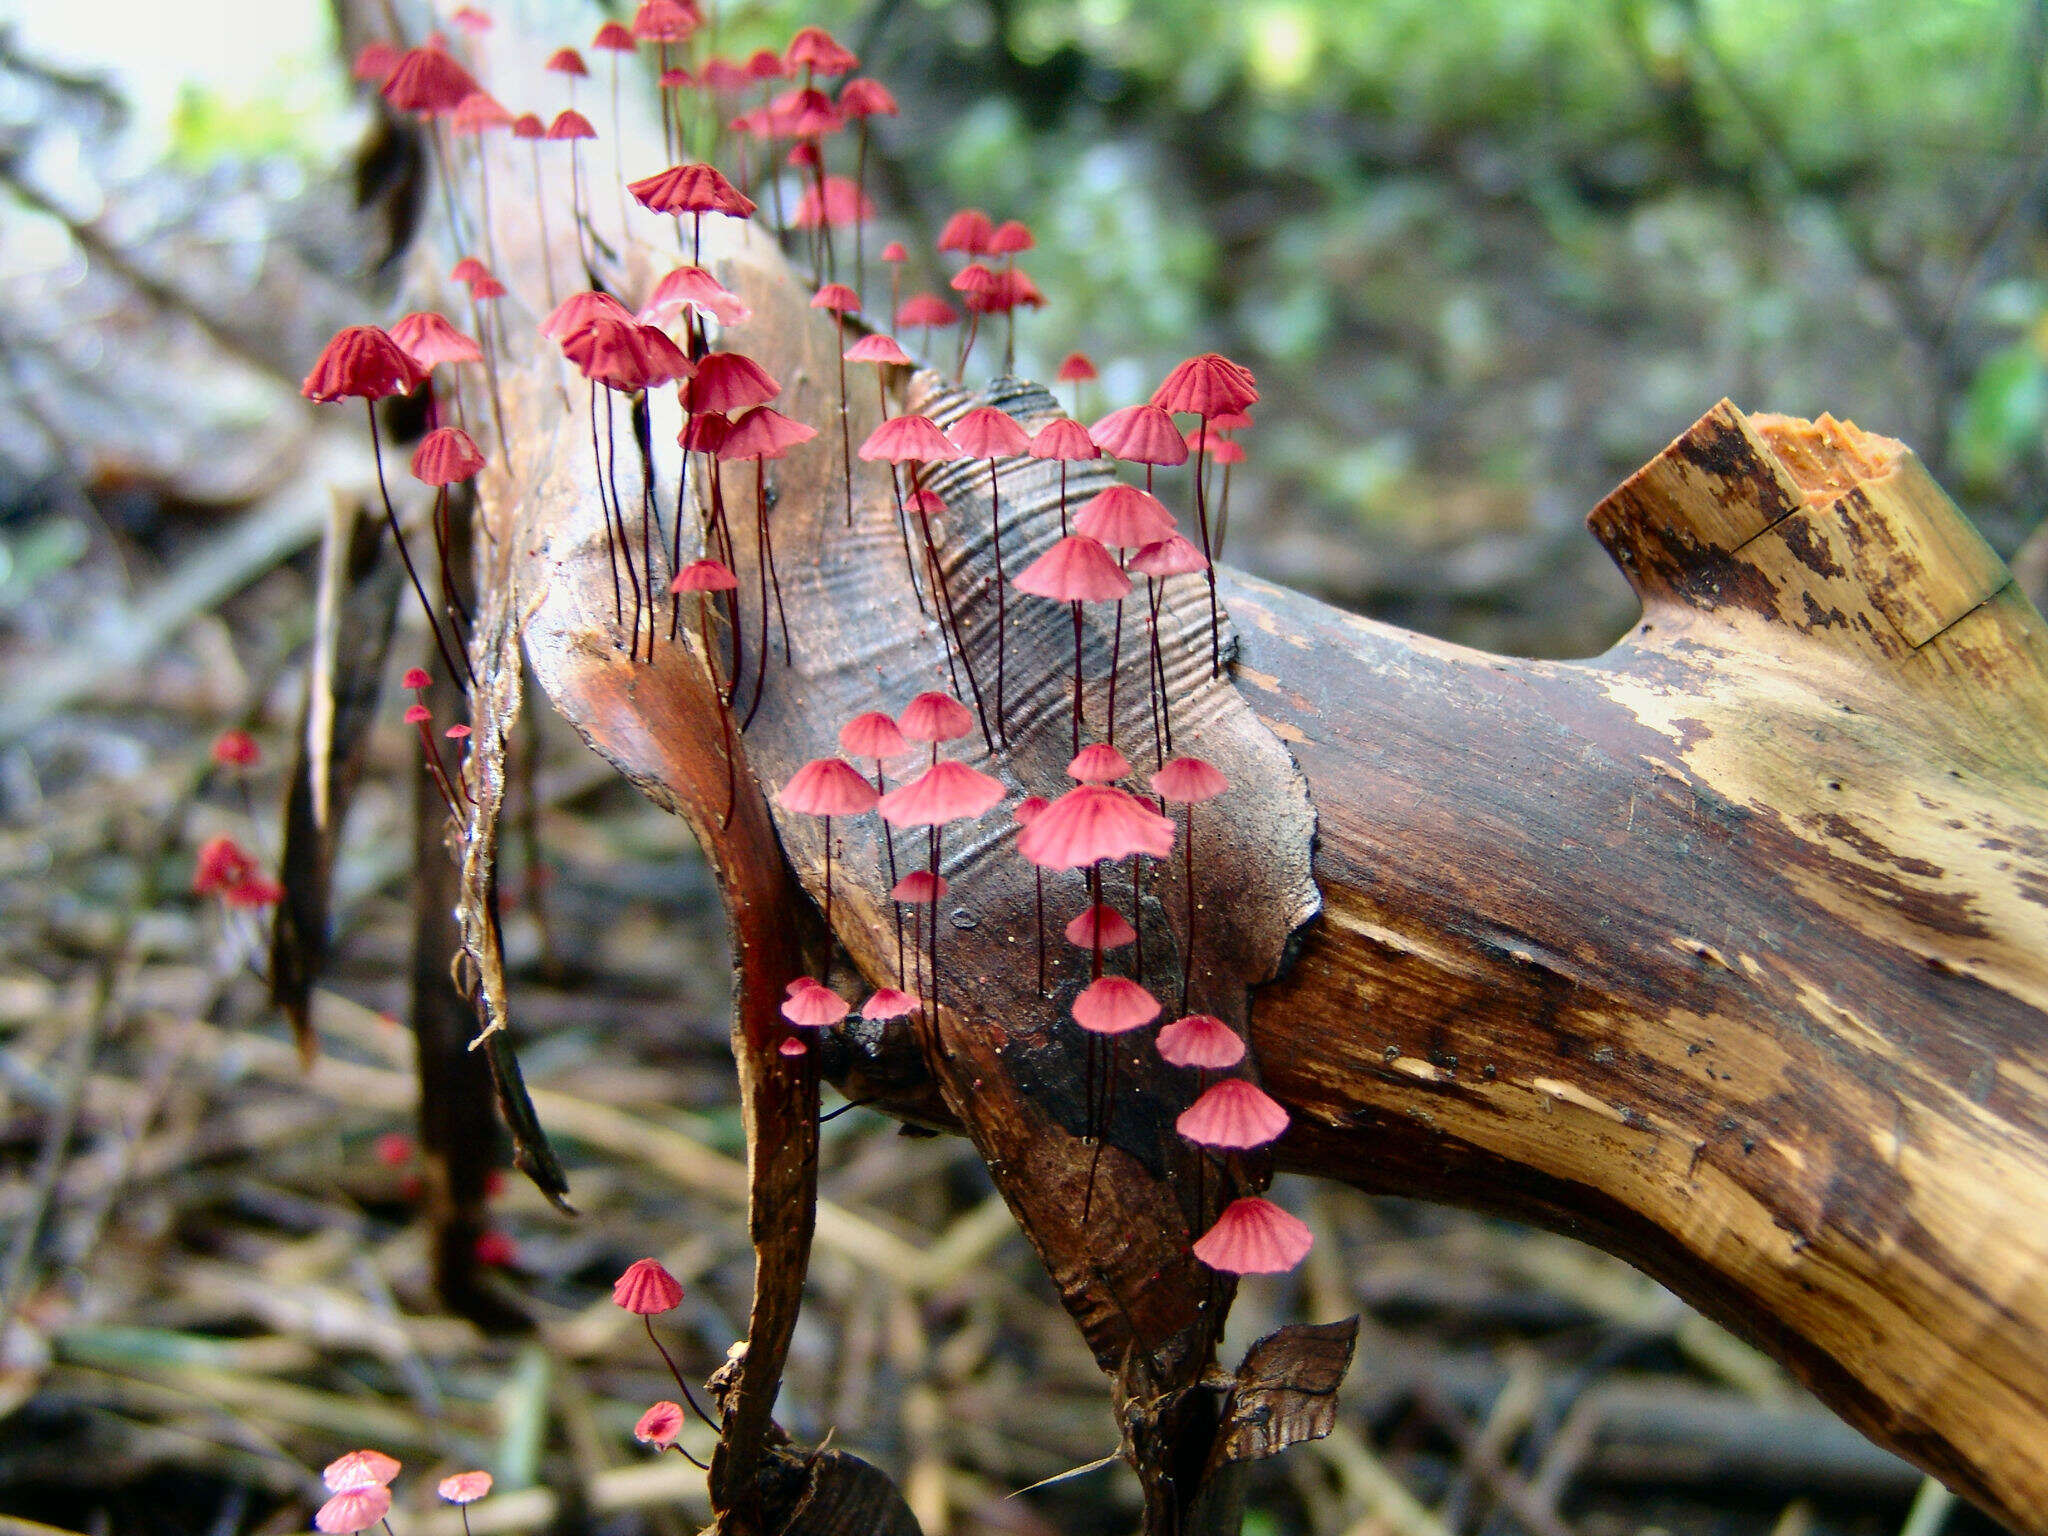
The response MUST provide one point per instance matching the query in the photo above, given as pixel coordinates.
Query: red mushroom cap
(721, 74)
(614, 38)
(691, 188)
(946, 791)
(817, 50)
(609, 351)
(968, 232)
(926, 309)
(429, 340)
(236, 749)
(479, 112)
(570, 124)
(1188, 781)
(694, 288)
(1125, 517)
(446, 456)
(416, 678)
(467, 270)
(428, 81)
(704, 432)
(987, 433)
(464, 1487)
(1140, 434)
(1075, 570)
(527, 125)
(660, 1425)
(836, 297)
(727, 382)
(1254, 1237)
(827, 786)
(360, 1469)
(704, 576)
(1064, 438)
(1172, 556)
(841, 204)
(877, 349)
(766, 64)
(353, 1509)
(1027, 810)
(363, 363)
(375, 61)
(1100, 927)
(1201, 1040)
(888, 1003)
(1077, 368)
(894, 253)
(814, 1006)
(1114, 1005)
(903, 439)
(1009, 237)
(1233, 1114)
(566, 61)
(1092, 822)
(665, 21)
(578, 310)
(1207, 385)
(1098, 763)
(764, 433)
(862, 97)
(872, 734)
(935, 717)
(919, 888)
(646, 1288)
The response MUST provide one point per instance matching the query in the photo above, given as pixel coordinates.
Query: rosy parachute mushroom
(1141, 434)
(1254, 1236)
(1206, 386)
(826, 787)
(421, 719)
(704, 577)
(991, 434)
(660, 1425)
(1114, 1005)
(934, 717)
(360, 1469)
(763, 434)
(1065, 441)
(446, 456)
(374, 63)
(1171, 556)
(695, 189)
(572, 128)
(1232, 1115)
(664, 23)
(227, 870)
(647, 1289)
(610, 351)
(813, 1005)
(235, 749)
(1123, 518)
(945, 792)
(917, 441)
(353, 1509)
(967, 232)
(1188, 782)
(696, 291)
(463, 1490)
(1077, 368)
(860, 99)
(363, 363)
(875, 737)
(616, 40)
(840, 300)
(927, 311)
(1074, 571)
(817, 53)
(1201, 1041)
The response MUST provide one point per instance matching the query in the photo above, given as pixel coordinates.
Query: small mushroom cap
(570, 124)
(691, 188)
(791, 1046)
(1064, 438)
(987, 433)
(660, 1425)
(729, 382)
(1125, 517)
(1234, 1114)
(646, 1288)
(416, 678)
(236, 749)
(613, 37)
(815, 49)
(704, 576)
(968, 232)
(934, 717)
(1075, 570)
(1077, 368)
(946, 791)
(827, 786)
(1188, 781)
(566, 61)
(1171, 556)
(877, 349)
(840, 204)
(1208, 384)
(925, 309)
(814, 1007)
(894, 253)
(1201, 1040)
(446, 456)
(1100, 926)
(464, 1487)
(906, 439)
(1099, 763)
(1092, 822)
(353, 1509)
(361, 362)
(888, 1003)
(874, 735)
(1254, 1236)
(578, 310)
(836, 297)
(1026, 811)
(359, 1469)
(1010, 237)
(919, 888)
(764, 433)
(862, 97)
(1114, 1005)
(428, 81)
(693, 288)
(1140, 434)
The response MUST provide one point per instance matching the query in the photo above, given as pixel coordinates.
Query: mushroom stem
(845, 425)
(995, 538)
(405, 554)
(611, 548)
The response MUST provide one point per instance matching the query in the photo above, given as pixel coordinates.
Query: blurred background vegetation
(1486, 258)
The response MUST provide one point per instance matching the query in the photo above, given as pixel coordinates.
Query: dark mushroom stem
(405, 554)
